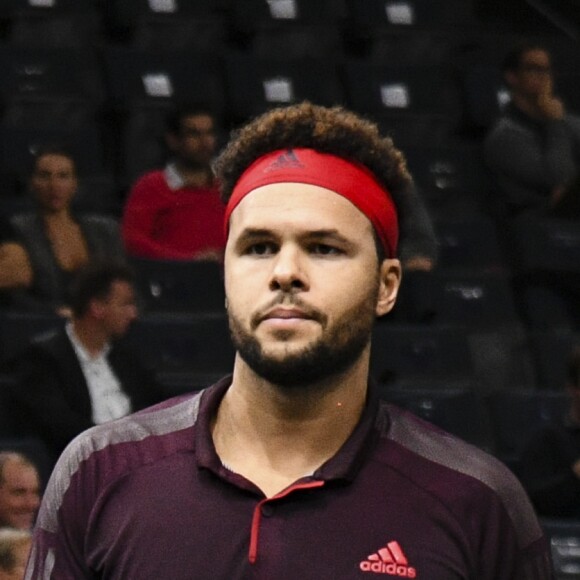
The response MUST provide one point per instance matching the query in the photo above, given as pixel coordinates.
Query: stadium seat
(18, 327)
(251, 15)
(128, 13)
(461, 412)
(19, 144)
(298, 41)
(57, 72)
(142, 147)
(452, 178)
(413, 104)
(379, 88)
(257, 84)
(564, 538)
(475, 300)
(373, 14)
(421, 47)
(548, 246)
(517, 414)
(180, 285)
(55, 24)
(191, 34)
(98, 193)
(421, 355)
(485, 96)
(8, 429)
(550, 350)
(469, 244)
(548, 307)
(184, 349)
(146, 77)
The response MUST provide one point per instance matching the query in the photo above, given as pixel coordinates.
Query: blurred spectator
(417, 240)
(14, 550)
(176, 212)
(78, 376)
(12, 257)
(534, 148)
(56, 242)
(550, 468)
(19, 491)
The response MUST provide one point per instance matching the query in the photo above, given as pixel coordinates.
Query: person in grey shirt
(534, 148)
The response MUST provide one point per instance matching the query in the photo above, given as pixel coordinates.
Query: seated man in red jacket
(176, 212)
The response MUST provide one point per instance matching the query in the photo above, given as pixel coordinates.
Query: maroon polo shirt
(146, 497)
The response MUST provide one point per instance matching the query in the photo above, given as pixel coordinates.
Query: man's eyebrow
(251, 233)
(327, 233)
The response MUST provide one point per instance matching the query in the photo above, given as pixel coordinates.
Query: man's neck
(56, 218)
(527, 105)
(194, 176)
(274, 435)
(89, 335)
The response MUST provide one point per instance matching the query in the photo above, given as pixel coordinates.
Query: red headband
(348, 179)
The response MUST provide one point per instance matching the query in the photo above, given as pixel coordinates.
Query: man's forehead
(280, 204)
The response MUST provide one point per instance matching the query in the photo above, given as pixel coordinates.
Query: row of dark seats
(190, 347)
(420, 82)
(500, 421)
(114, 17)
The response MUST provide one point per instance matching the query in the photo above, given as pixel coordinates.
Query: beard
(332, 354)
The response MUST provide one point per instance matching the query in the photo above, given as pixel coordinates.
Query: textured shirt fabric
(108, 400)
(530, 158)
(147, 497)
(165, 219)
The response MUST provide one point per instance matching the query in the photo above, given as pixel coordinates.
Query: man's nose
(289, 270)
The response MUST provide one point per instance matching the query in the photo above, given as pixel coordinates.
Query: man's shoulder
(151, 179)
(103, 455)
(141, 437)
(459, 475)
(158, 421)
(50, 343)
(427, 442)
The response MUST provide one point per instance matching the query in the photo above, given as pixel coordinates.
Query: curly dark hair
(332, 130)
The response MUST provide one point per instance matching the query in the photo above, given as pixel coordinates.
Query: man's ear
(390, 279)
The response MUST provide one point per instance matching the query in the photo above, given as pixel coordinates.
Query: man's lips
(286, 314)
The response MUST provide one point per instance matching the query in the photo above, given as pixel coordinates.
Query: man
(19, 491)
(79, 375)
(176, 213)
(291, 468)
(534, 148)
(14, 551)
(550, 466)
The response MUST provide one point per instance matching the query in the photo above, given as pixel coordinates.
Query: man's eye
(325, 250)
(260, 249)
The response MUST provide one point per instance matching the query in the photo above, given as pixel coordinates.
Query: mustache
(287, 300)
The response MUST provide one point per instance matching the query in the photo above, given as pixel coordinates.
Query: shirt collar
(174, 179)
(345, 464)
(81, 351)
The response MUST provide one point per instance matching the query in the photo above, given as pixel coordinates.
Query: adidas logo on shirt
(285, 160)
(389, 560)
